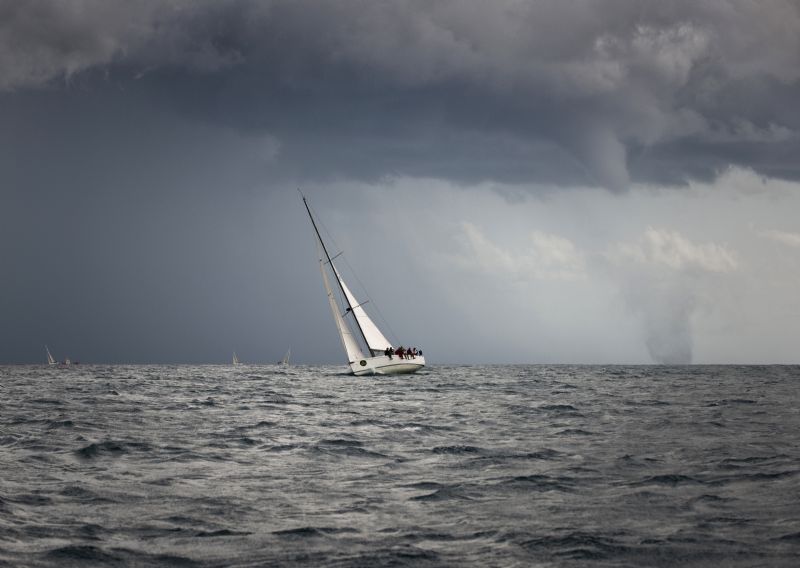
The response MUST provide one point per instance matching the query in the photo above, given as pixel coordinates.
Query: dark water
(480, 466)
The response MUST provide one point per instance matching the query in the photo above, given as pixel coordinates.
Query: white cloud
(543, 257)
(673, 250)
(556, 258)
(784, 237)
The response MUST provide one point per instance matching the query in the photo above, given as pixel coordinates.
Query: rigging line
(329, 238)
(318, 222)
(337, 255)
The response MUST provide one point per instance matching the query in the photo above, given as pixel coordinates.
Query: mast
(336, 274)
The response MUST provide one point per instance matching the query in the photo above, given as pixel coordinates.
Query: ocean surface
(456, 466)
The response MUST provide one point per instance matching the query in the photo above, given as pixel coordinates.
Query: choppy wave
(480, 466)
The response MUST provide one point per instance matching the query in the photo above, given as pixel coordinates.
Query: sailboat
(235, 359)
(50, 359)
(285, 360)
(368, 350)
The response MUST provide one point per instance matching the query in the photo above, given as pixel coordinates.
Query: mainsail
(349, 342)
(235, 359)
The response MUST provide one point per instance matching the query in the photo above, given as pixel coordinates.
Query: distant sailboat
(235, 359)
(378, 357)
(285, 360)
(50, 359)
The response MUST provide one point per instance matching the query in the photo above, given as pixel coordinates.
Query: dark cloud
(596, 93)
(151, 149)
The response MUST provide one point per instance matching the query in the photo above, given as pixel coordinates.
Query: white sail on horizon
(50, 359)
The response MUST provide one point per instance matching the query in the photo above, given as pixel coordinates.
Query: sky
(593, 181)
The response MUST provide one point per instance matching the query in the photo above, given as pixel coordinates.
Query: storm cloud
(588, 92)
(583, 181)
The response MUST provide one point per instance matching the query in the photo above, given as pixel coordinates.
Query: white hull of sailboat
(383, 365)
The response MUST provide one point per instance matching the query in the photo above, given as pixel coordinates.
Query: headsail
(285, 360)
(376, 341)
(235, 359)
